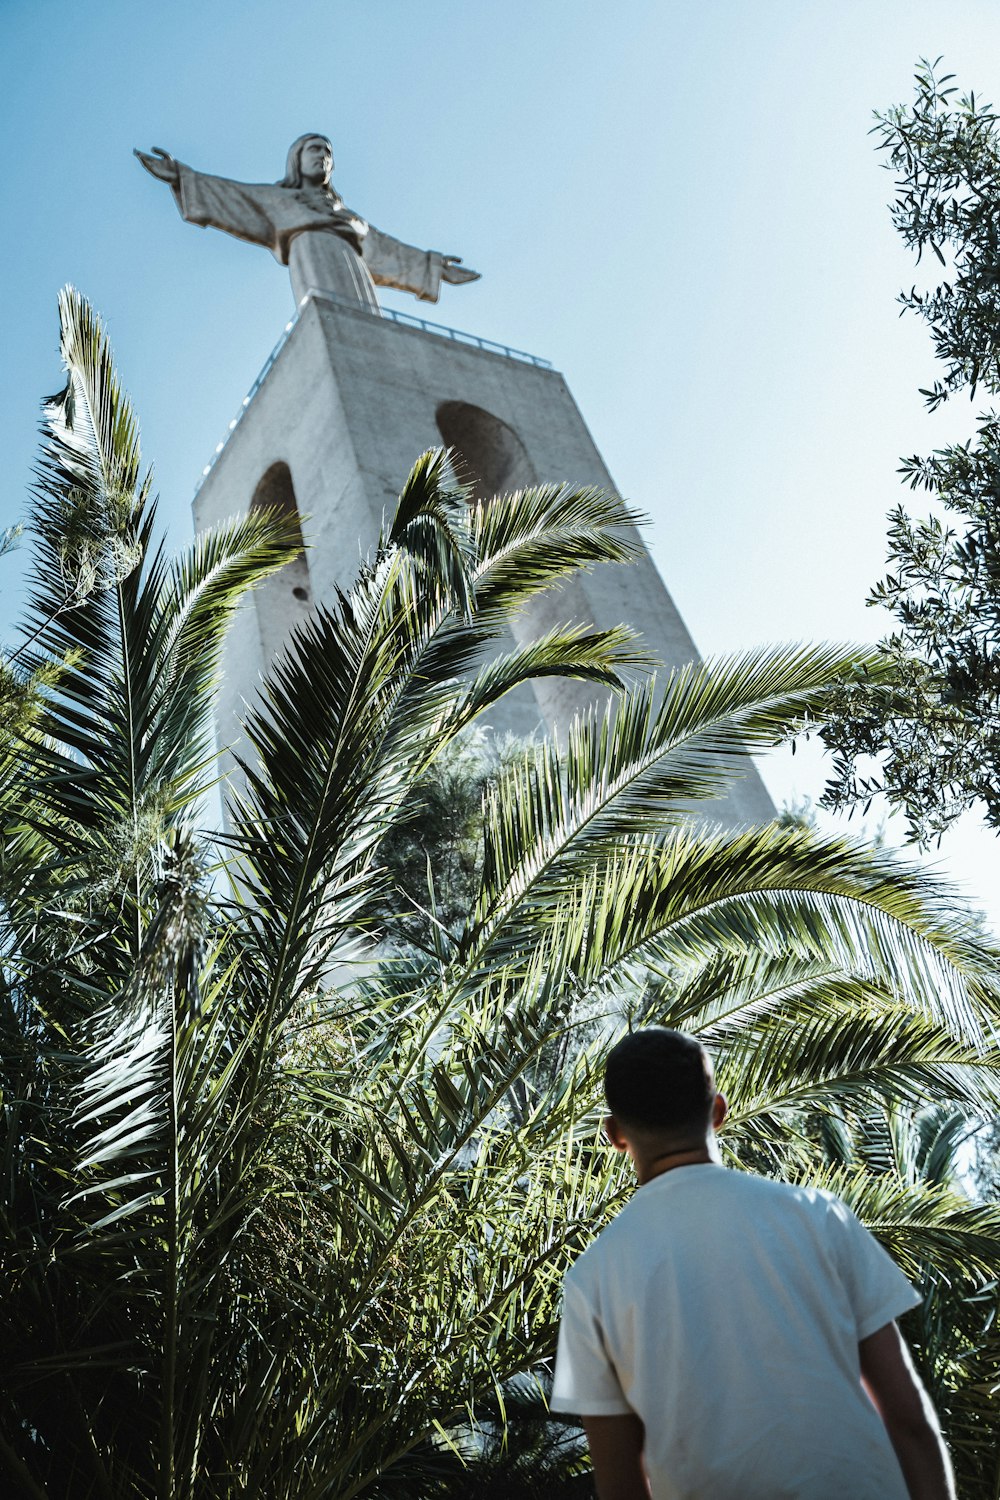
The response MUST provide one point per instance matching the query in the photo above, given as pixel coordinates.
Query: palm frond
(431, 522)
(685, 895)
(528, 540)
(639, 762)
(598, 656)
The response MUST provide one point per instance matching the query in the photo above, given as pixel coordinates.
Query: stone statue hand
(161, 164)
(453, 270)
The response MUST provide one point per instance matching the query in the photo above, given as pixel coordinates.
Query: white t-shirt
(726, 1309)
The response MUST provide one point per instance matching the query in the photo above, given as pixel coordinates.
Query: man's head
(660, 1089)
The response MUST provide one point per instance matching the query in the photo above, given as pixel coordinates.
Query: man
(728, 1337)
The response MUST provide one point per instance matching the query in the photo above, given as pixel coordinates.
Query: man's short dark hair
(660, 1080)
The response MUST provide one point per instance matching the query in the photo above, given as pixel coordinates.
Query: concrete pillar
(348, 403)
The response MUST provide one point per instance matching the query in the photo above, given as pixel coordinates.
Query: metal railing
(406, 319)
(457, 337)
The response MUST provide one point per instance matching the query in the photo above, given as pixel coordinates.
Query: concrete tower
(348, 400)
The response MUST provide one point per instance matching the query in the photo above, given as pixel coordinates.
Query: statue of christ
(305, 225)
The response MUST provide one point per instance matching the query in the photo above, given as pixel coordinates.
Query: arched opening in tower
(275, 491)
(285, 598)
(487, 452)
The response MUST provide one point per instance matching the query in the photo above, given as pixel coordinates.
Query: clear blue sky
(675, 202)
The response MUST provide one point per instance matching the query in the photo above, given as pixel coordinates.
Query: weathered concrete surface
(350, 402)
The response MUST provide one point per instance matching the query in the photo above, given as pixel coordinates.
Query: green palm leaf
(634, 766)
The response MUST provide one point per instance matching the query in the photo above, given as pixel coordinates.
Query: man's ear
(719, 1111)
(613, 1131)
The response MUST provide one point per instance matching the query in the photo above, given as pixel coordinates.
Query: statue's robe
(325, 246)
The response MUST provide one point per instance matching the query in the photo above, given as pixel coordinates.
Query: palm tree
(280, 1213)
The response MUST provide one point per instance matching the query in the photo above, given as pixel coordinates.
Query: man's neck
(679, 1156)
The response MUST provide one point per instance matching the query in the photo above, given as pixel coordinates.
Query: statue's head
(310, 160)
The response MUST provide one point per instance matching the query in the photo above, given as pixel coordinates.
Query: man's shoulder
(777, 1188)
(795, 1198)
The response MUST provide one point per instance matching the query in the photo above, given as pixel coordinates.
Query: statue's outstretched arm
(161, 164)
(244, 209)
